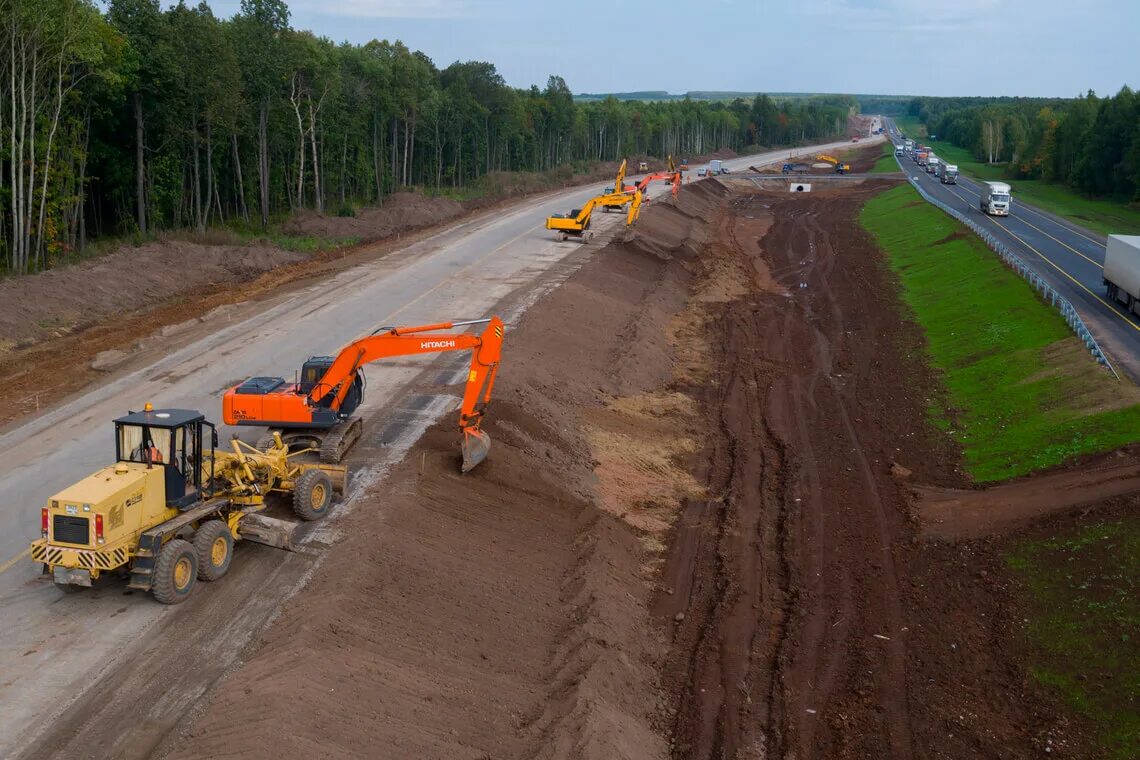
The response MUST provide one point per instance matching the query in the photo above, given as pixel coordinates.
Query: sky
(899, 47)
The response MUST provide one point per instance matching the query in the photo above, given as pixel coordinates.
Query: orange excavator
(671, 175)
(316, 412)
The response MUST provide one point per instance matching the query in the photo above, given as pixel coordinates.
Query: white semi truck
(949, 175)
(996, 198)
(1122, 270)
(932, 164)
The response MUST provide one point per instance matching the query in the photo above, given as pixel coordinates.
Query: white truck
(716, 166)
(932, 164)
(949, 175)
(996, 198)
(1122, 270)
(908, 145)
(899, 151)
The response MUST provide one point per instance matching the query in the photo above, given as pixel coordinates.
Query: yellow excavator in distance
(617, 189)
(577, 223)
(840, 166)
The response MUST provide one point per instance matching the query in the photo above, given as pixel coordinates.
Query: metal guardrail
(1019, 265)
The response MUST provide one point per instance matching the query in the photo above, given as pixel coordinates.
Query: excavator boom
(323, 406)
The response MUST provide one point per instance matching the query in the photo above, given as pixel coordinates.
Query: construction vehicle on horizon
(841, 167)
(166, 514)
(316, 411)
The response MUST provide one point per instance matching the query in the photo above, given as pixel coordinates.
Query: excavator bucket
(476, 444)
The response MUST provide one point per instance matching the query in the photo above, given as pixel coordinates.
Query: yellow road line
(1073, 229)
(12, 562)
(1075, 281)
(1094, 262)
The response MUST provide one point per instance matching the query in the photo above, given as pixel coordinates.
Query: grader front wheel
(312, 495)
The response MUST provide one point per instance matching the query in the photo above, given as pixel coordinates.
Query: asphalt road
(1069, 257)
(110, 673)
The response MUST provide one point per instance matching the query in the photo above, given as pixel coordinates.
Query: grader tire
(175, 572)
(214, 545)
(312, 495)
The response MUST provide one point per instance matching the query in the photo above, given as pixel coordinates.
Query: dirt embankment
(694, 536)
(815, 621)
(503, 613)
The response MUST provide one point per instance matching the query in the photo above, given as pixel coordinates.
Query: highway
(1069, 257)
(115, 670)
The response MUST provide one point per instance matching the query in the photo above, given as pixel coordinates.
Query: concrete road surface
(1068, 256)
(107, 672)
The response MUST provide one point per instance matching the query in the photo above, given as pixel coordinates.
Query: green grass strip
(1084, 624)
(1024, 393)
(886, 162)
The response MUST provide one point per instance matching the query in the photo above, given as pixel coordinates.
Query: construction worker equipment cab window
(170, 439)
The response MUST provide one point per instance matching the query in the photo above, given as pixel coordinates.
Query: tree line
(140, 118)
(1089, 143)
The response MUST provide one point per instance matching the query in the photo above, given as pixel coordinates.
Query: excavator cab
(313, 370)
(171, 439)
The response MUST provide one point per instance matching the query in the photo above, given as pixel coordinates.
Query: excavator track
(340, 438)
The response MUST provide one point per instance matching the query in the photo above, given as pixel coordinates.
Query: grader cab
(168, 511)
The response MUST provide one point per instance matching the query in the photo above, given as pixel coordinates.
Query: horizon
(1051, 49)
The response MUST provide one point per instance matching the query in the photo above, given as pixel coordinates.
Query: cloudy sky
(952, 47)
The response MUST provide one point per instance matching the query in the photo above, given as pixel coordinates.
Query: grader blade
(476, 444)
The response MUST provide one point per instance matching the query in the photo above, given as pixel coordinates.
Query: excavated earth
(696, 534)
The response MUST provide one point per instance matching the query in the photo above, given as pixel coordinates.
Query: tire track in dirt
(793, 639)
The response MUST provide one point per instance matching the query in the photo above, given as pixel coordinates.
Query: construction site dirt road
(108, 669)
(699, 543)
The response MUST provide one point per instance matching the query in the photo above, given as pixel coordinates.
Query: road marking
(12, 562)
(1111, 307)
(1062, 242)
(1023, 220)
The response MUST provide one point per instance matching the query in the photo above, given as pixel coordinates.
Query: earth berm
(695, 536)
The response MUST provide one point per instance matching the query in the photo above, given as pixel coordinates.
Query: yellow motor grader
(168, 511)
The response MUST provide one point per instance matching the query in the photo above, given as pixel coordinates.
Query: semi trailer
(1122, 270)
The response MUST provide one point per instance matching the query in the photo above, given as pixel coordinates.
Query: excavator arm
(486, 349)
(619, 181)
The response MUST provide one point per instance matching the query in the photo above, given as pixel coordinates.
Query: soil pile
(501, 613)
(400, 212)
(59, 301)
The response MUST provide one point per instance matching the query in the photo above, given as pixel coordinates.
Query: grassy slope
(1104, 216)
(1025, 395)
(886, 162)
(1084, 606)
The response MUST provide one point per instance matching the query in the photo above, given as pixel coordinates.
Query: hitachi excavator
(316, 412)
(840, 166)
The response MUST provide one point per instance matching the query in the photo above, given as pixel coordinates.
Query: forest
(1089, 143)
(129, 118)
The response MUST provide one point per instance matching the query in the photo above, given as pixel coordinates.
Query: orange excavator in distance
(316, 412)
(670, 175)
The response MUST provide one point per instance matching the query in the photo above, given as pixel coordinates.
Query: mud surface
(696, 535)
(503, 613)
(814, 620)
